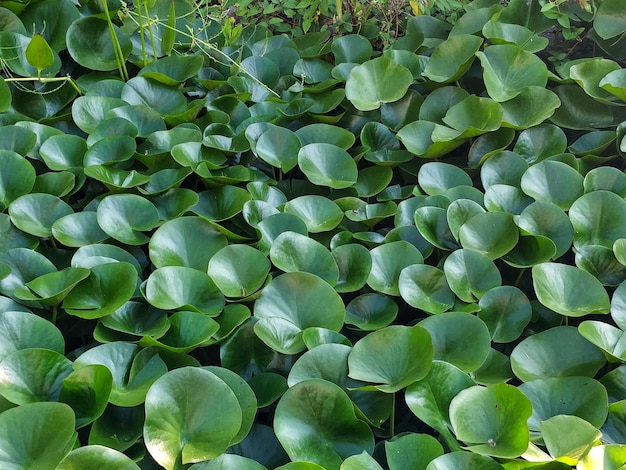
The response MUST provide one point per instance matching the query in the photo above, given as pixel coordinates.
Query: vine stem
(67, 79)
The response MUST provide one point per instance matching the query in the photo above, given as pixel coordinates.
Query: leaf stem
(119, 55)
(55, 310)
(392, 418)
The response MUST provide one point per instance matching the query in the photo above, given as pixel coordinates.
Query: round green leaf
(221, 203)
(326, 361)
(272, 226)
(471, 274)
(25, 265)
(492, 420)
(180, 287)
(610, 457)
(412, 451)
(425, 287)
(581, 436)
(173, 69)
(371, 311)
(465, 460)
(388, 261)
(577, 396)
(429, 399)
(458, 338)
(228, 462)
(377, 81)
(33, 375)
(493, 234)
(547, 220)
(552, 181)
(531, 107)
(292, 251)
(239, 270)
(110, 150)
(320, 214)
(186, 426)
(187, 330)
(351, 48)
(503, 168)
(558, 352)
(162, 98)
(452, 58)
(279, 147)
(134, 370)
(327, 165)
(185, 241)
(36, 435)
(52, 288)
(598, 218)
(605, 178)
(78, 229)
(506, 311)
(315, 422)
(87, 391)
(100, 253)
(94, 456)
(569, 290)
(89, 43)
(578, 110)
(392, 369)
(325, 133)
(437, 177)
(35, 213)
(291, 301)
(17, 177)
(508, 69)
(23, 330)
(460, 211)
(354, 263)
(125, 216)
(107, 288)
(602, 263)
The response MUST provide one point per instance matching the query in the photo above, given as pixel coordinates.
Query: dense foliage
(320, 235)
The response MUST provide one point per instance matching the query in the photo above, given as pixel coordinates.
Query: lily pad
(208, 421)
(392, 369)
(292, 252)
(180, 287)
(314, 405)
(503, 431)
(327, 165)
(569, 290)
(239, 270)
(289, 304)
(557, 352)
